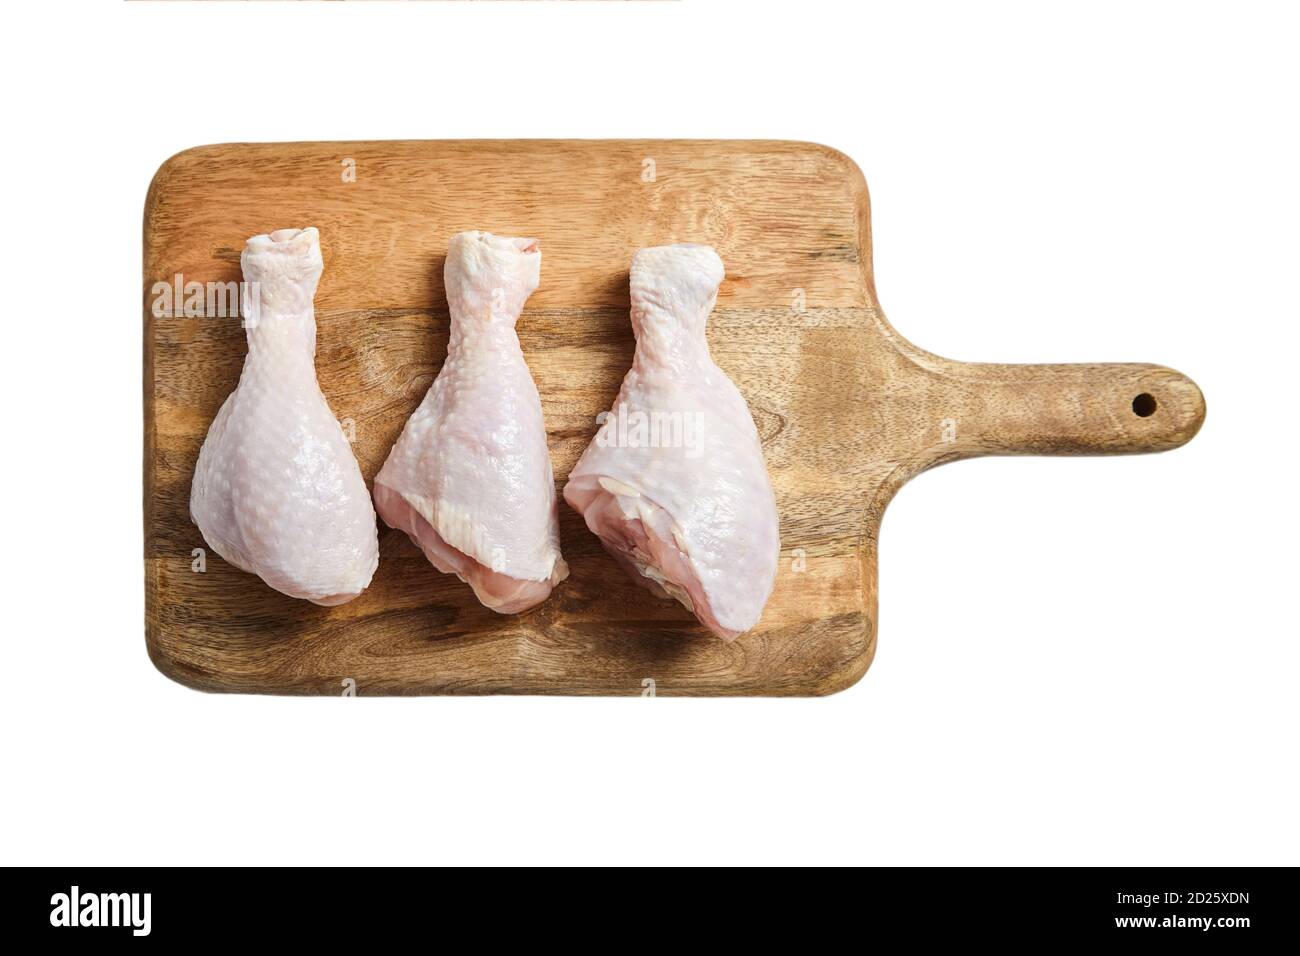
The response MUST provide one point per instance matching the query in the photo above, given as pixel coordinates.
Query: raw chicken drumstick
(277, 490)
(674, 482)
(470, 477)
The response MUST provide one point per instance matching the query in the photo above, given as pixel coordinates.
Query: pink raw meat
(470, 479)
(277, 490)
(674, 482)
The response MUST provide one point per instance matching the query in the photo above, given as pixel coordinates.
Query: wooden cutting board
(847, 409)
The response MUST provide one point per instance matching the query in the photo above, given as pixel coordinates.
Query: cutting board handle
(1102, 409)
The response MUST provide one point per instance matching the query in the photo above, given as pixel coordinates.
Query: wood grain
(847, 409)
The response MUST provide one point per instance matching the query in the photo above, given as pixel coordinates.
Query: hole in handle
(1144, 405)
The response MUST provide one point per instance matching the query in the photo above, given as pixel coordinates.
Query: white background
(1084, 661)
